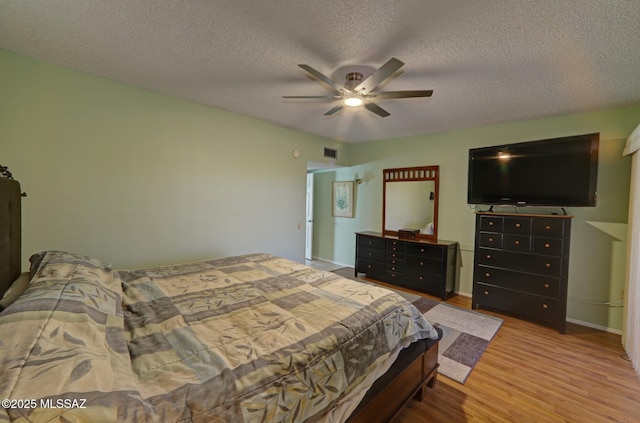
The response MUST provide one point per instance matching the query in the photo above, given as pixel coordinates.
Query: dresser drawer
(531, 263)
(370, 253)
(395, 276)
(395, 268)
(532, 306)
(491, 223)
(517, 243)
(395, 255)
(423, 264)
(525, 282)
(424, 281)
(371, 268)
(517, 225)
(424, 250)
(490, 239)
(370, 241)
(394, 245)
(549, 227)
(549, 246)
(395, 261)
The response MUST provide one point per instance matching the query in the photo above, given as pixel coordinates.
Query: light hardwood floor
(531, 373)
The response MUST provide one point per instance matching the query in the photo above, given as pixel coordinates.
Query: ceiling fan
(358, 92)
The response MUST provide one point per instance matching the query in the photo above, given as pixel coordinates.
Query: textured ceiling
(488, 61)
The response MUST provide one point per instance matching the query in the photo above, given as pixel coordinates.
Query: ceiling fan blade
(373, 107)
(325, 97)
(334, 110)
(333, 85)
(401, 94)
(385, 71)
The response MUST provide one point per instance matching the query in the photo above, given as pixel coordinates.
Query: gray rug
(466, 333)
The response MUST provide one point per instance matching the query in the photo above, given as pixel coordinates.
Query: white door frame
(308, 245)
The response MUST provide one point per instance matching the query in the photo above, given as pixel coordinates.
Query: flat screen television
(555, 172)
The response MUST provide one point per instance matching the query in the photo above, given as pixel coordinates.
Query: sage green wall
(137, 178)
(598, 247)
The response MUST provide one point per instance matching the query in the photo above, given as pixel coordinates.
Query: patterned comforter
(251, 338)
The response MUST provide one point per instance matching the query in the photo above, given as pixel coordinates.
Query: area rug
(466, 333)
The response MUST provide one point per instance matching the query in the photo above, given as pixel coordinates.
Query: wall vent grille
(331, 153)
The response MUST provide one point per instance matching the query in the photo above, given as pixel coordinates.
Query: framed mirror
(410, 201)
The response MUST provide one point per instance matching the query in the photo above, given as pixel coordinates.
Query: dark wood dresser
(521, 266)
(425, 266)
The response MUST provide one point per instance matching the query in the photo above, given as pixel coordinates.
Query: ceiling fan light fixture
(353, 101)
(357, 88)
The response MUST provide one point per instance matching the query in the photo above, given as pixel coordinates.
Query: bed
(248, 338)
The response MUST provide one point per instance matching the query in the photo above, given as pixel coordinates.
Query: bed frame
(10, 233)
(409, 376)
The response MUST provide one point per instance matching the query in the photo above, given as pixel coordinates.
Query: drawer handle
(369, 254)
(486, 292)
(546, 285)
(517, 225)
(547, 265)
(393, 268)
(393, 255)
(487, 274)
(546, 245)
(370, 242)
(393, 275)
(420, 278)
(488, 256)
(369, 266)
(547, 227)
(490, 239)
(490, 223)
(545, 306)
(421, 263)
(422, 250)
(517, 242)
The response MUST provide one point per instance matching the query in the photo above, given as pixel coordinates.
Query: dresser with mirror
(407, 252)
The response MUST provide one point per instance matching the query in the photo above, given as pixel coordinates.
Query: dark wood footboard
(407, 384)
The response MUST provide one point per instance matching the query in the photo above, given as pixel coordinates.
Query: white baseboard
(332, 262)
(594, 326)
(570, 320)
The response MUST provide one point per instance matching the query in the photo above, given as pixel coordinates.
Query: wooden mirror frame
(406, 174)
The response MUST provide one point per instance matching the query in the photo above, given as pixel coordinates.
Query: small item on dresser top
(407, 233)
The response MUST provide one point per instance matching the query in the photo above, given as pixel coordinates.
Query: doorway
(308, 244)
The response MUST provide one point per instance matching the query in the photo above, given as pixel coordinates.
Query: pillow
(35, 261)
(65, 336)
(427, 229)
(76, 281)
(15, 290)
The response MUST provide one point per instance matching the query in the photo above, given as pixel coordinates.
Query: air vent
(331, 153)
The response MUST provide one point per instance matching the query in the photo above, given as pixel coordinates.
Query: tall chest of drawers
(428, 267)
(521, 266)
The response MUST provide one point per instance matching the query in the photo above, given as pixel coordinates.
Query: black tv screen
(555, 172)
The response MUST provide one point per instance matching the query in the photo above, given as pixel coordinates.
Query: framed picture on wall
(342, 199)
